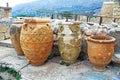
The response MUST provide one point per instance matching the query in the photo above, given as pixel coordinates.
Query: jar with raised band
(36, 40)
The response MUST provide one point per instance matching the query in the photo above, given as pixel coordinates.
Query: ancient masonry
(110, 9)
(116, 11)
(5, 14)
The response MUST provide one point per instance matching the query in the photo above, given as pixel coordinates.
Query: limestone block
(4, 28)
(107, 9)
(6, 43)
(5, 52)
(14, 62)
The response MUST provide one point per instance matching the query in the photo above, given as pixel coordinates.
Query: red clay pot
(100, 50)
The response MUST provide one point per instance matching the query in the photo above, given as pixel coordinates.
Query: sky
(12, 3)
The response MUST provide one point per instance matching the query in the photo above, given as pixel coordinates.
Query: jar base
(36, 63)
(70, 62)
(99, 69)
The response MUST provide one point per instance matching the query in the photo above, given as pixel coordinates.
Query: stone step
(14, 62)
(6, 43)
(9, 58)
(6, 51)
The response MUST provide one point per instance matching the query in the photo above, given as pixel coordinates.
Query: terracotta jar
(15, 31)
(100, 50)
(69, 41)
(36, 40)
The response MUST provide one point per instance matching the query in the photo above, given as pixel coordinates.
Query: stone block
(6, 43)
(14, 62)
(4, 28)
(5, 52)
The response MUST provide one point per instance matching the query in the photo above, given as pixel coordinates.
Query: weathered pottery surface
(15, 31)
(69, 41)
(36, 40)
(100, 50)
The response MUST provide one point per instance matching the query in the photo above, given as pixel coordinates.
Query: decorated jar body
(100, 51)
(69, 41)
(15, 31)
(36, 40)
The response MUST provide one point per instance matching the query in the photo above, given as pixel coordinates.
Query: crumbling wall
(4, 29)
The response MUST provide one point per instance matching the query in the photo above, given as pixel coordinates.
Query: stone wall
(116, 12)
(5, 12)
(107, 9)
(4, 29)
(110, 9)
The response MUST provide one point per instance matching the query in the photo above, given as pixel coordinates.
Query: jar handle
(25, 26)
(48, 24)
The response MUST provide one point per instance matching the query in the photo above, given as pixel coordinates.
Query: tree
(22, 15)
(67, 14)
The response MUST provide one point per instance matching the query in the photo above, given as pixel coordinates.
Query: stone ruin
(4, 28)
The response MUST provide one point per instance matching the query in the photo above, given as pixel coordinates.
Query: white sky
(12, 3)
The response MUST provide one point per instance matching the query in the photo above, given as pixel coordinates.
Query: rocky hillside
(88, 7)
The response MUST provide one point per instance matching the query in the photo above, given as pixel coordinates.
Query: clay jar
(36, 40)
(100, 51)
(69, 41)
(15, 31)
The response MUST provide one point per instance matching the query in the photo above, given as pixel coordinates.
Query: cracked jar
(69, 41)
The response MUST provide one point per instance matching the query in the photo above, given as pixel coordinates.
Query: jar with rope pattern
(36, 40)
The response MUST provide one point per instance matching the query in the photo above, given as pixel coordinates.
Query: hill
(88, 7)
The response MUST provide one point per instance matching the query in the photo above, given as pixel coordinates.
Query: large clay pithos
(15, 31)
(69, 41)
(36, 40)
(100, 51)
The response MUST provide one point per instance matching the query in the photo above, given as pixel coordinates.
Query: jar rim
(101, 39)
